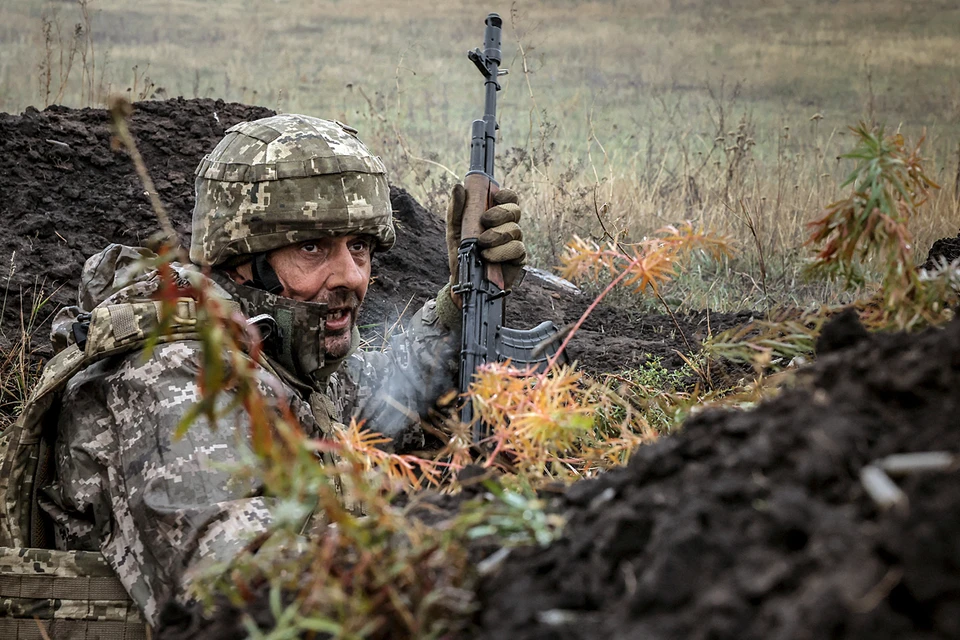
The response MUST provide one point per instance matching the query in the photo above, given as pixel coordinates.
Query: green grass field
(644, 112)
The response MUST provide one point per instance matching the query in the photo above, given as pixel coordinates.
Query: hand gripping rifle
(485, 338)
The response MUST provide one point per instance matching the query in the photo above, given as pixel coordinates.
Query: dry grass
(642, 113)
(19, 366)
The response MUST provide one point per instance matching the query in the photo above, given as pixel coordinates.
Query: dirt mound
(64, 195)
(756, 525)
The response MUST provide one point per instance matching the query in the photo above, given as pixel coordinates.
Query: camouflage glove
(501, 242)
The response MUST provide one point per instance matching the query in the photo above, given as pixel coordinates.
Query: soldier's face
(335, 271)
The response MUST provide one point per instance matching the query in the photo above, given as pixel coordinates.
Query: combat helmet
(286, 179)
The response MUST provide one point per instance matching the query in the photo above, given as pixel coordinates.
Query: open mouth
(338, 318)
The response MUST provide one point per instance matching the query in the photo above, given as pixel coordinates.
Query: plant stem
(589, 310)
(120, 110)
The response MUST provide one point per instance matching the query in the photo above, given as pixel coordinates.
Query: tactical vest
(73, 595)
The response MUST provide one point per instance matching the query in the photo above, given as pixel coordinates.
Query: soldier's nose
(344, 271)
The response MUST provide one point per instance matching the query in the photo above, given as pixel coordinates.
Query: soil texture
(757, 525)
(65, 194)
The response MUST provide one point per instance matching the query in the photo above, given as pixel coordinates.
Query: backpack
(74, 595)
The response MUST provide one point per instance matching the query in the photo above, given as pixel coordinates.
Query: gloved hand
(501, 242)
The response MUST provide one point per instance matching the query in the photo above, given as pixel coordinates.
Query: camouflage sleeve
(393, 389)
(162, 509)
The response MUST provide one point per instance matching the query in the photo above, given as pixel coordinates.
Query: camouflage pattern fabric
(156, 506)
(114, 329)
(115, 276)
(285, 179)
(76, 595)
(163, 510)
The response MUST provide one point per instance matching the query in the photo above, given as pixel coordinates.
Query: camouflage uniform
(162, 509)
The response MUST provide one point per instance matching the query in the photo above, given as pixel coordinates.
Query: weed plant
(19, 367)
(660, 393)
(870, 227)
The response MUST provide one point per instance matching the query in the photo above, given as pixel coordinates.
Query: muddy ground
(744, 525)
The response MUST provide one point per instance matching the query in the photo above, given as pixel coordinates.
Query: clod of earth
(757, 525)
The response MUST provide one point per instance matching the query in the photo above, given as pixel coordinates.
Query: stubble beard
(337, 344)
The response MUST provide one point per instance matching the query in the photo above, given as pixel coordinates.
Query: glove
(501, 241)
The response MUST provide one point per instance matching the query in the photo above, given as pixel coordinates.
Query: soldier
(289, 211)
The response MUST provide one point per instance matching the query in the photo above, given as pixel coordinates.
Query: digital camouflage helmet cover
(286, 179)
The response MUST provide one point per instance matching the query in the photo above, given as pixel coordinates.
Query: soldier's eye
(360, 244)
(310, 247)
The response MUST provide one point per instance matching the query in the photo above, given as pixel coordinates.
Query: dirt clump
(756, 525)
(65, 194)
(745, 524)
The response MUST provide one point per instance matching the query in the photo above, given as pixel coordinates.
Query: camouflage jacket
(162, 509)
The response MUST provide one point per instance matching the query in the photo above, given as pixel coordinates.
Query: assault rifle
(485, 338)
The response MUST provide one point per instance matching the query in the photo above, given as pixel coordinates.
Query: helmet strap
(264, 276)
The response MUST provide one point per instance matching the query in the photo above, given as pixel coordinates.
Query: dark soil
(756, 525)
(64, 195)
